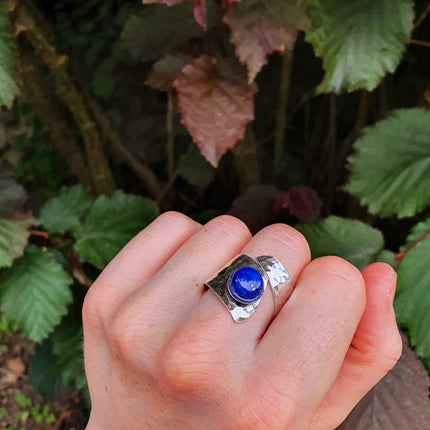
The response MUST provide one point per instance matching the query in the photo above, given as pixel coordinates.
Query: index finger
(146, 254)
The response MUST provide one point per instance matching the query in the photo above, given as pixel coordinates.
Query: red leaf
(304, 203)
(225, 3)
(199, 12)
(282, 202)
(259, 28)
(216, 103)
(255, 207)
(198, 6)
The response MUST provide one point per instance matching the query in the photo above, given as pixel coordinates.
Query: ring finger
(279, 240)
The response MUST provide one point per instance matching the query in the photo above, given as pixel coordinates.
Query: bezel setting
(220, 285)
(246, 285)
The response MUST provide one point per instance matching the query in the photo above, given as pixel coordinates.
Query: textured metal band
(219, 285)
(279, 280)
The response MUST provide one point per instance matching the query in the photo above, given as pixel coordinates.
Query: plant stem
(145, 174)
(97, 162)
(282, 108)
(170, 132)
(53, 242)
(382, 100)
(78, 271)
(420, 43)
(330, 149)
(43, 234)
(47, 109)
(401, 255)
(246, 160)
(166, 189)
(363, 111)
(422, 17)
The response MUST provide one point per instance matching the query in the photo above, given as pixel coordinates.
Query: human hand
(161, 352)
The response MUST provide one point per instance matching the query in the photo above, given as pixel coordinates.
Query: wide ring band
(279, 279)
(270, 272)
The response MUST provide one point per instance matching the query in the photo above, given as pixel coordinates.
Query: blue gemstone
(246, 285)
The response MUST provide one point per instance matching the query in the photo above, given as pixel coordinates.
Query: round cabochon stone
(246, 285)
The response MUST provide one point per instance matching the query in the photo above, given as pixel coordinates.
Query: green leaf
(44, 372)
(110, 224)
(13, 238)
(359, 41)
(64, 212)
(35, 293)
(386, 256)
(259, 28)
(21, 400)
(417, 232)
(157, 30)
(390, 171)
(412, 301)
(195, 169)
(350, 239)
(8, 86)
(67, 345)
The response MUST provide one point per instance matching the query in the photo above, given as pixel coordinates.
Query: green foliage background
(313, 113)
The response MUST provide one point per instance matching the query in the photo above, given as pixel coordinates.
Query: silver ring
(279, 279)
(241, 284)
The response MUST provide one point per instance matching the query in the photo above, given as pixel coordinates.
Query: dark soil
(15, 354)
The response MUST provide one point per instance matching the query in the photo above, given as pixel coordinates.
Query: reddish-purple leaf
(259, 28)
(198, 6)
(216, 103)
(399, 401)
(282, 202)
(166, 70)
(304, 203)
(256, 207)
(200, 12)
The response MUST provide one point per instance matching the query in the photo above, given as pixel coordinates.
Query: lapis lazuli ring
(240, 285)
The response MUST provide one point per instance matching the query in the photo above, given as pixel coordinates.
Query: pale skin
(161, 352)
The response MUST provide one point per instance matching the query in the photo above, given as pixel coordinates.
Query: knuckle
(289, 237)
(178, 219)
(123, 340)
(337, 266)
(230, 225)
(343, 276)
(268, 410)
(189, 360)
(95, 307)
(381, 360)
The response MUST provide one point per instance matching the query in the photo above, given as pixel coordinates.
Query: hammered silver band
(279, 279)
(272, 272)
